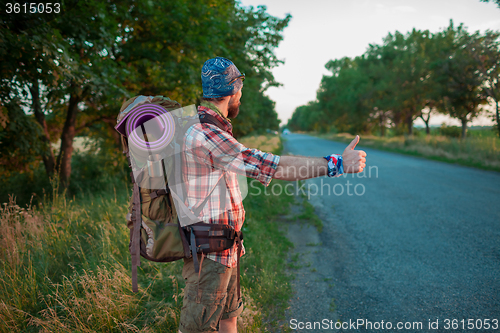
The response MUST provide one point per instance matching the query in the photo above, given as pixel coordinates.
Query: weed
(332, 307)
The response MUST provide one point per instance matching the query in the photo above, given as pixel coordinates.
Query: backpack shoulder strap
(209, 119)
(136, 234)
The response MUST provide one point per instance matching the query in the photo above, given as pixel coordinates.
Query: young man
(211, 298)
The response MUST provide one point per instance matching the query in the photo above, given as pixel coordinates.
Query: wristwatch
(335, 167)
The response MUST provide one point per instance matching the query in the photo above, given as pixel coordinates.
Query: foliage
(450, 131)
(456, 71)
(74, 70)
(494, 1)
(417, 74)
(20, 143)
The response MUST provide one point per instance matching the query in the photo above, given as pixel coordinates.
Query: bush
(91, 174)
(450, 131)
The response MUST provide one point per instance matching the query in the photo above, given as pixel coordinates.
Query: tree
(458, 74)
(409, 76)
(90, 59)
(494, 1)
(487, 56)
(68, 57)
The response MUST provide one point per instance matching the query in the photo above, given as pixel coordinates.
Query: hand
(353, 160)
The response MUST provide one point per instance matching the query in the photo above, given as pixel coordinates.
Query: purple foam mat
(158, 123)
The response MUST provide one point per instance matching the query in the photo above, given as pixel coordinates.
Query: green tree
(494, 1)
(68, 57)
(76, 69)
(487, 55)
(458, 74)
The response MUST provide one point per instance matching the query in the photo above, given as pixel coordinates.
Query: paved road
(421, 241)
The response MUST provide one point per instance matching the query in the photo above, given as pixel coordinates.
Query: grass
(332, 307)
(481, 149)
(65, 267)
(269, 142)
(308, 214)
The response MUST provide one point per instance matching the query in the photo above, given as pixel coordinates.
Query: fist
(353, 160)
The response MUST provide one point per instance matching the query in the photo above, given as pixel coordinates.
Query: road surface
(411, 241)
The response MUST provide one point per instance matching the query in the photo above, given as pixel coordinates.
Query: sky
(321, 30)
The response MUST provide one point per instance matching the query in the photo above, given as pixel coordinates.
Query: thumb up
(353, 160)
(353, 143)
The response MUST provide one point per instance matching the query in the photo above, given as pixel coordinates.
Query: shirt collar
(211, 109)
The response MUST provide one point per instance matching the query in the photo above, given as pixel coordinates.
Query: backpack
(157, 204)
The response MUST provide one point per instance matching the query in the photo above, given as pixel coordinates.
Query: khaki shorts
(215, 299)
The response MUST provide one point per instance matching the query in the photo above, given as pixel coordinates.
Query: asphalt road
(411, 240)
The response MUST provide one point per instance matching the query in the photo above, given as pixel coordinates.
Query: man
(211, 297)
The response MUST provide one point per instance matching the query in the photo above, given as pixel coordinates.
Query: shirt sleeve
(220, 150)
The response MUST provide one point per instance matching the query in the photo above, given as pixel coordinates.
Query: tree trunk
(427, 129)
(116, 136)
(464, 127)
(67, 136)
(48, 155)
(498, 118)
(382, 125)
(409, 121)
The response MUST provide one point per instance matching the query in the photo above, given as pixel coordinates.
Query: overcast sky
(321, 30)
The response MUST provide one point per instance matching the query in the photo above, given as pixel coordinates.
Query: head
(222, 82)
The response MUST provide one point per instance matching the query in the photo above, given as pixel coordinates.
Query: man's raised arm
(300, 167)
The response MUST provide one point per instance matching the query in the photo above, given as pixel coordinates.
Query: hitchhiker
(212, 300)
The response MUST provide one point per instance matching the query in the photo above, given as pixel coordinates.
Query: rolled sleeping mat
(150, 128)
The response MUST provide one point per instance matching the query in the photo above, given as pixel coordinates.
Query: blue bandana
(220, 78)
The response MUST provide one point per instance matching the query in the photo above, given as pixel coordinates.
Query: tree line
(66, 75)
(408, 76)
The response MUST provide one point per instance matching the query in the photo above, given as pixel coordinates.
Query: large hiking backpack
(157, 202)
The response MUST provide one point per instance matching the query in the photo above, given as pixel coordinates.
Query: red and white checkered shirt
(210, 152)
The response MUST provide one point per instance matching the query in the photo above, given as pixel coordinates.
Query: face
(233, 107)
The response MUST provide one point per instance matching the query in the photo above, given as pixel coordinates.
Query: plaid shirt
(209, 151)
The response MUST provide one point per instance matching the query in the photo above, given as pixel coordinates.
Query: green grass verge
(476, 151)
(307, 214)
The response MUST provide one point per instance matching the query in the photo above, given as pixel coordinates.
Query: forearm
(300, 167)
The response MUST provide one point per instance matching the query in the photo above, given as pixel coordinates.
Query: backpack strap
(194, 218)
(135, 250)
(193, 215)
(136, 218)
(209, 119)
(239, 238)
(157, 193)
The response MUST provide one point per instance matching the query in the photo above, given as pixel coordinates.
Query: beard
(233, 108)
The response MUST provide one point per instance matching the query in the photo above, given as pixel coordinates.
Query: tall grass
(64, 267)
